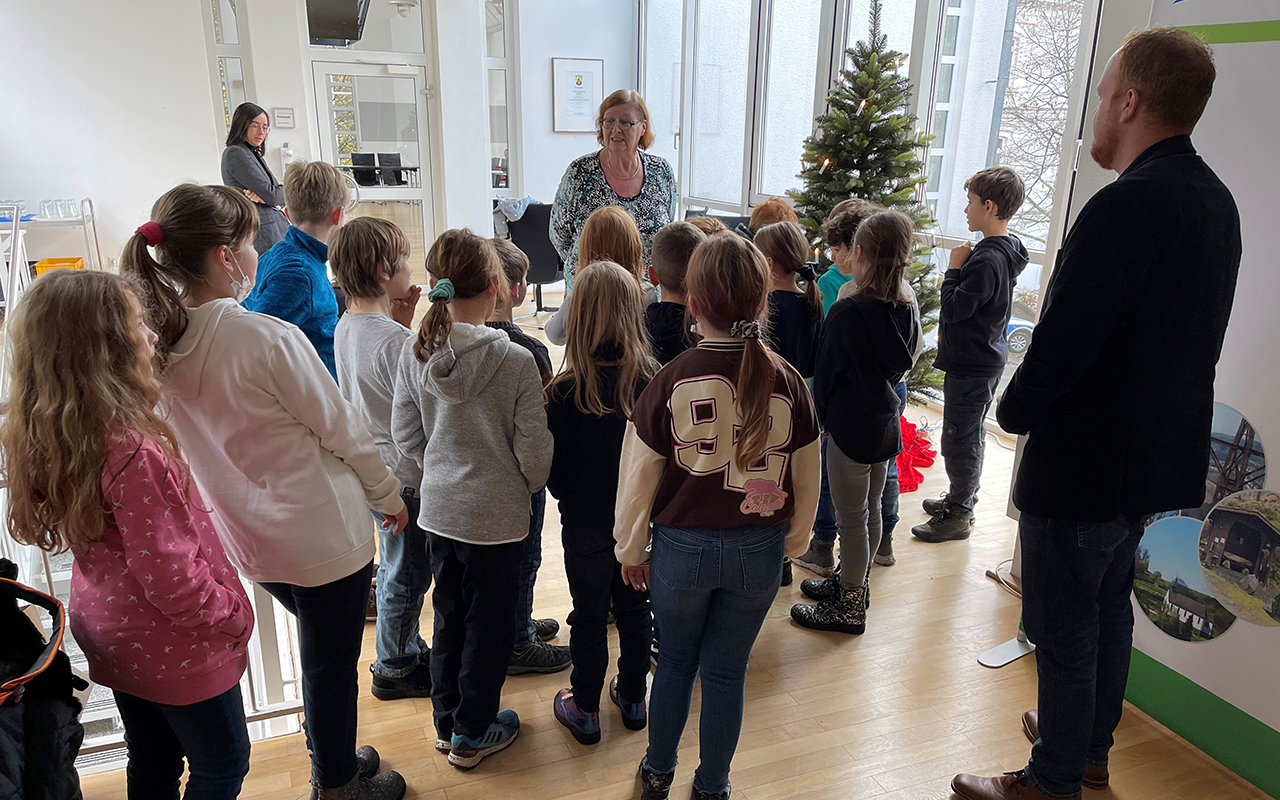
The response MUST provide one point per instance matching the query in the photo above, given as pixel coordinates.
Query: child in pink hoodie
(157, 608)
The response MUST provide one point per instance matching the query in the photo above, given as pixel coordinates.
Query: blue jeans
(1076, 582)
(710, 590)
(404, 578)
(964, 434)
(529, 563)
(824, 527)
(210, 735)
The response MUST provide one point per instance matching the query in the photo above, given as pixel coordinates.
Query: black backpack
(40, 732)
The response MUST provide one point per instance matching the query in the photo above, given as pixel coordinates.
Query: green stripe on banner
(1231, 737)
(1237, 32)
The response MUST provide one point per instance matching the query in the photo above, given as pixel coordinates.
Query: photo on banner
(1170, 586)
(1240, 555)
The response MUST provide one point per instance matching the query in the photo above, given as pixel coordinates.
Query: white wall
(464, 115)
(282, 76)
(567, 29)
(103, 104)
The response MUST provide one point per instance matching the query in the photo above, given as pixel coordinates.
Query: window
(945, 73)
(950, 33)
(897, 20)
(721, 81)
(663, 26)
(502, 85)
(228, 42)
(788, 109)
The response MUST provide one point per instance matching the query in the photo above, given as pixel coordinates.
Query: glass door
(373, 126)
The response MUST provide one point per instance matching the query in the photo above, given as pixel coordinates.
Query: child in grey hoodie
(468, 408)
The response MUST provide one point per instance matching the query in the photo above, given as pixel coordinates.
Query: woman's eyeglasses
(623, 124)
(256, 126)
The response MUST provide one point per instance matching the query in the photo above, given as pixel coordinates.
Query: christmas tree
(867, 145)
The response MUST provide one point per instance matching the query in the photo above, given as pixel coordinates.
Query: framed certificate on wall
(577, 91)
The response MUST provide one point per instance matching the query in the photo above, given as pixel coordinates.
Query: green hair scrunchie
(443, 290)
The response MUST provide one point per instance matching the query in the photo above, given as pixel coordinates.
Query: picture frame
(577, 86)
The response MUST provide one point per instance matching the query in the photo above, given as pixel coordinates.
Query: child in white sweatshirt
(468, 409)
(286, 463)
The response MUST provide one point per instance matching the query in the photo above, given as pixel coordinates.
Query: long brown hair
(77, 388)
(470, 263)
(604, 327)
(194, 219)
(610, 234)
(728, 282)
(887, 242)
(784, 242)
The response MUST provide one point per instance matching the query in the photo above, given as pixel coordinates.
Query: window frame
(509, 63)
(216, 52)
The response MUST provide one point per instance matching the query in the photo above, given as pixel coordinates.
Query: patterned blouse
(583, 189)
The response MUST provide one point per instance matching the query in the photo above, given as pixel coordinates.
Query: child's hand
(636, 577)
(960, 254)
(403, 308)
(397, 521)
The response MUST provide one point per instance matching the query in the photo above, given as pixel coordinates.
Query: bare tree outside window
(1046, 35)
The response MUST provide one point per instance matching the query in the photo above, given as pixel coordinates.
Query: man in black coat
(1115, 398)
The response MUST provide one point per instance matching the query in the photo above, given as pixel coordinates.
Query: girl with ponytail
(468, 410)
(285, 462)
(721, 456)
(795, 306)
(870, 341)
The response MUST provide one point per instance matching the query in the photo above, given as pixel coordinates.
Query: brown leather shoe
(1009, 786)
(1094, 777)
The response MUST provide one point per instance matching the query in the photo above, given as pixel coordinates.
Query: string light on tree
(869, 145)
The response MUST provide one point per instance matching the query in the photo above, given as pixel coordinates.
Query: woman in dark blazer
(244, 169)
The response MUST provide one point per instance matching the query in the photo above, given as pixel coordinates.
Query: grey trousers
(855, 492)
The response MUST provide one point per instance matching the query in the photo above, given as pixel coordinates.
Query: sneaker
(846, 613)
(824, 589)
(415, 684)
(653, 652)
(444, 743)
(634, 715)
(884, 554)
(367, 761)
(387, 786)
(654, 785)
(945, 526)
(786, 572)
(698, 794)
(584, 725)
(932, 505)
(819, 559)
(466, 752)
(546, 628)
(539, 657)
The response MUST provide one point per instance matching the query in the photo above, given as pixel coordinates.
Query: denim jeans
(404, 578)
(595, 583)
(1076, 582)
(710, 590)
(475, 591)
(530, 561)
(330, 632)
(210, 735)
(824, 527)
(964, 434)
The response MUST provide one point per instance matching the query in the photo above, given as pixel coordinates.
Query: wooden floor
(892, 714)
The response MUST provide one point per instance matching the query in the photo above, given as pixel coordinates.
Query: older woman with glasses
(618, 174)
(243, 168)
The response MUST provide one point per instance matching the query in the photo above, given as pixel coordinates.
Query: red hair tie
(151, 232)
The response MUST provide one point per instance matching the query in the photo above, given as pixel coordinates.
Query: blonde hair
(470, 263)
(888, 243)
(604, 327)
(312, 190)
(194, 220)
(784, 242)
(626, 97)
(728, 282)
(707, 224)
(610, 234)
(77, 391)
(775, 209)
(362, 250)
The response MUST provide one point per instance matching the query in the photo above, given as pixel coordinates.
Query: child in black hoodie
(977, 302)
(870, 340)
